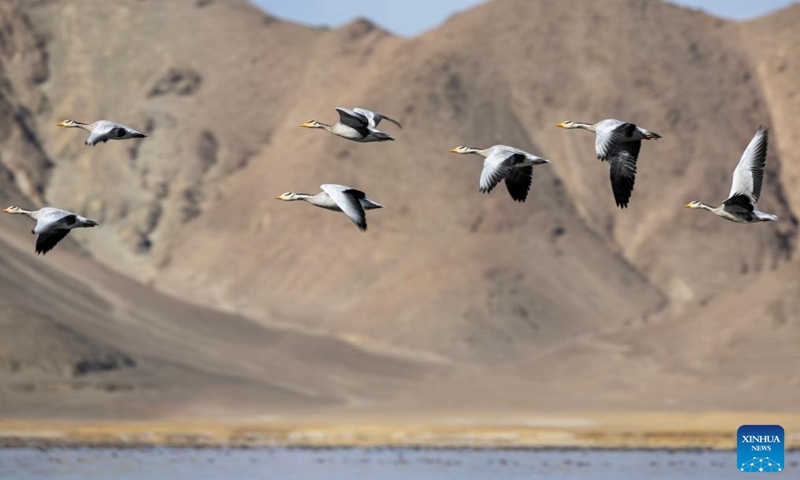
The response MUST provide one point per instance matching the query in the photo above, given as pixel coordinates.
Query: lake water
(359, 464)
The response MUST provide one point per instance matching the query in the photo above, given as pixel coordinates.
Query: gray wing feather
(604, 144)
(749, 173)
(375, 118)
(105, 130)
(99, 134)
(352, 119)
(609, 134)
(348, 199)
(623, 171)
(53, 218)
(496, 167)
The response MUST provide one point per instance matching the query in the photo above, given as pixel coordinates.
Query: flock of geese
(616, 142)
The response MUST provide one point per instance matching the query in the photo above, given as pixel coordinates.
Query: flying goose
(103, 131)
(509, 163)
(338, 198)
(357, 125)
(52, 225)
(618, 142)
(740, 207)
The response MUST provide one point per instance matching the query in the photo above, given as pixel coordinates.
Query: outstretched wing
(47, 240)
(349, 200)
(375, 118)
(104, 130)
(610, 135)
(54, 219)
(497, 166)
(352, 119)
(623, 170)
(749, 173)
(518, 182)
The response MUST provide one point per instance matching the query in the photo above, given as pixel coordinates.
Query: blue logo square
(759, 448)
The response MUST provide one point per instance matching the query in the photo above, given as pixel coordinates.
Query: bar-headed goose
(338, 198)
(740, 207)
(509, 163)
(357, 125)
(618, 142)
(103, 131)
(52, 225)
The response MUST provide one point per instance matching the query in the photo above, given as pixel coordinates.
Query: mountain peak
(361, 27)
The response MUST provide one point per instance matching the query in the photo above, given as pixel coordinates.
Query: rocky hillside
(558, 295)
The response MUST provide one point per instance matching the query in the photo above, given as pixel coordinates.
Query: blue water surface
(368, 464)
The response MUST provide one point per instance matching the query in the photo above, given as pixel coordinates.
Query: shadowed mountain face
(453, 299)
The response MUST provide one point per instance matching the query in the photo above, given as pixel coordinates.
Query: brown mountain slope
(23, 65)
(497, 301)
(774, 47)
(89, 342)
(450, 97)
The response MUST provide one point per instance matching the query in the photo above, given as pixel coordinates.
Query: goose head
(311, 124)
(287, 197)
(567, 124)
(461, 149)
(69, 123)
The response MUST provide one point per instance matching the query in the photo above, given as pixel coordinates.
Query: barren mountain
(201, 293)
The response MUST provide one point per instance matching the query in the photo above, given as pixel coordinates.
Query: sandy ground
(591, 430)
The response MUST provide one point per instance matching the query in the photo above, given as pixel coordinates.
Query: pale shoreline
(714, 431)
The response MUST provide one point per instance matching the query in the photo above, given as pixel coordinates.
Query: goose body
(338, 198)
(502, 162)
(740, 207)
(619, 143)
(103, 131)
(357, 125)
(52, 225)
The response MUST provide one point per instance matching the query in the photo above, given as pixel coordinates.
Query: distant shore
(595, 431)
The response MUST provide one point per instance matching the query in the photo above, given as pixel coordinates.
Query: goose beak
(561, 124)
(454, 150)
(5, 210)
(61, 124)
(306, 124)
(688, 205)
(279, 197)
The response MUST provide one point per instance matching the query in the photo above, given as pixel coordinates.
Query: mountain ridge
(451, 291)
